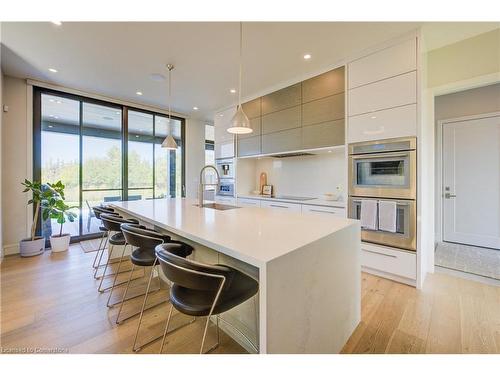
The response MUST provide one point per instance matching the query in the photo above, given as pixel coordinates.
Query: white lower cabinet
(323, 210)
(281, 205)
(225, 200)
(401, 264)
(245, 202)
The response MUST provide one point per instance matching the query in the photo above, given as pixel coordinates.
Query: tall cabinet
(382, 104)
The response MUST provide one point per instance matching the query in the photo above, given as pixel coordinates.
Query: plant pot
(60, 243)
(29, 248)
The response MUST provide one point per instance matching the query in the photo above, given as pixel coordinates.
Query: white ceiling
(117, 59)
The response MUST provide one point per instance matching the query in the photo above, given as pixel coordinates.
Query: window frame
(37, 146)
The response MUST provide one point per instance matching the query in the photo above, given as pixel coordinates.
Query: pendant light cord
(241, 58)
(169, 94)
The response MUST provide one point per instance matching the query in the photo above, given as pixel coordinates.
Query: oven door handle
(381, 155)
(398, 203)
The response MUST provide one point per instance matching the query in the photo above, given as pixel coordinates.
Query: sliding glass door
(103, 152)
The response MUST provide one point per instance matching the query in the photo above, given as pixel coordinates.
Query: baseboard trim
(11, 249)
(389, 276)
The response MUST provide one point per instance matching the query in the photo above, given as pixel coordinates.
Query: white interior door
(471, 182)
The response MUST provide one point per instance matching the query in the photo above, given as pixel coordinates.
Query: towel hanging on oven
(369, 214)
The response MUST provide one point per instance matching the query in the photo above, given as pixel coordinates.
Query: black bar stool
(98, 210)
(112, 224)
(144, 256)
(203, 290)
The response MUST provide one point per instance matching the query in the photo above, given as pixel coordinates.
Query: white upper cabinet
(222, 121)
(389, 123)
(389, 93)
(389, 62)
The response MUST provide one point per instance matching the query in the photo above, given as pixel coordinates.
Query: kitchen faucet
(201, 189)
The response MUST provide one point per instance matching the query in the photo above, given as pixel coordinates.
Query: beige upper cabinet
(281, 120)
(326, 84)
(325, 109)
(389, 62)
(282, 99)
(252, 108)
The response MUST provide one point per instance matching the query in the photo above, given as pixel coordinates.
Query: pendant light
(169, 142)
(240, 123)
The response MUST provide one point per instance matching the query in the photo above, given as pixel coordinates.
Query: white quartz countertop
(251, 234)
(312, 202)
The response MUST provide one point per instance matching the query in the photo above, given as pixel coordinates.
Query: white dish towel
(369, 214)
(387, 216)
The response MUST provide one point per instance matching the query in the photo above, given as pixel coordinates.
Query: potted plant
(33, 245)
(54, 207)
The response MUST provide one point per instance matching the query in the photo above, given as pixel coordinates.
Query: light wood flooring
(51, 302)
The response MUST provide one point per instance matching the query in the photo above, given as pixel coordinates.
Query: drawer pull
(278, 206)
(376, 252)
(325, 212)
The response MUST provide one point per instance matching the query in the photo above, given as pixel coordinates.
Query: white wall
(15, 154)
(311, 176)
(195, 155)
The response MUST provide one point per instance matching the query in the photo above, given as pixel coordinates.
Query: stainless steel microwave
(385, 169)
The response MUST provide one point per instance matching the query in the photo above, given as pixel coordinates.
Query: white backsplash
(312, 175)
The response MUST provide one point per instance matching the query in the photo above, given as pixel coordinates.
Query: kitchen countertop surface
(312, 202)
(251, 234)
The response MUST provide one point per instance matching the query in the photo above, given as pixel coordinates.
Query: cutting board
(263, 180)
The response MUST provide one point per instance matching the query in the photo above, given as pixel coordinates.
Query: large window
(103, 152)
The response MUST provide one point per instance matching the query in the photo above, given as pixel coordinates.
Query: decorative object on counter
(267, 190)
(263, 181)
(169, 142)
(54, 207)
(337, 196)
(34, 245)
(240, 124)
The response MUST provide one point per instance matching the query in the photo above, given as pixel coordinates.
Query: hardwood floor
(51, 302)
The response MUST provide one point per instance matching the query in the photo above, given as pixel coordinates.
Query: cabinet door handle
(325, 212)
(278, 206)
(376, 252)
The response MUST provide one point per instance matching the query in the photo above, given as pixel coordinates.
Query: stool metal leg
(99, 265)
(166, 328)
(110, 252)
(125, 293)
(98, 250)
(144, 303)
(116, 274)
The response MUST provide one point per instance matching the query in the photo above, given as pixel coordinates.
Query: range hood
(296, 153)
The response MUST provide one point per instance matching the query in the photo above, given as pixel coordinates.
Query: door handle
(449, 196)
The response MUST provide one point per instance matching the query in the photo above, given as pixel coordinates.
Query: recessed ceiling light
(137, 136)
(52, 70)
(195, 108)
(307, 56)
(51, 100)
(56, 116)
(138, 93)
(221, 115)
(51, 115)
(232, 91)
(117, 112)
(374, 117)
(51, 126)
(329, 150)
(57, 23)
(58, 102)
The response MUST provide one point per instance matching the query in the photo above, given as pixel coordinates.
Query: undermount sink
(217, 206)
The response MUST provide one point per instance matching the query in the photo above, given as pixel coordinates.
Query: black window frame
(37, 145)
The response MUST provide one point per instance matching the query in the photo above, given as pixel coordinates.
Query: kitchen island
(308, 268)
